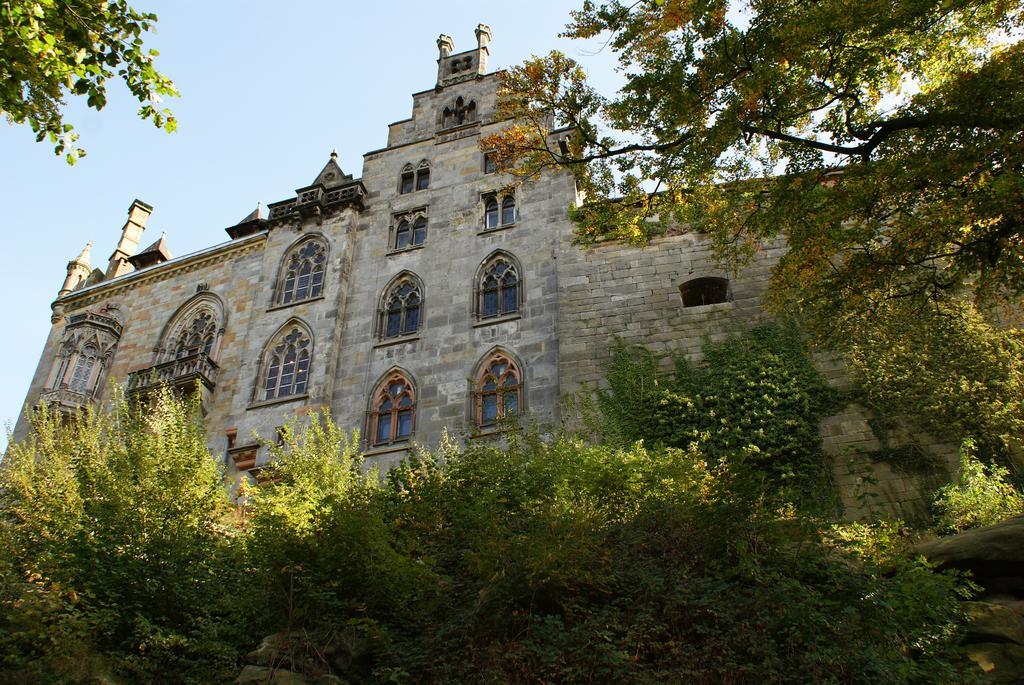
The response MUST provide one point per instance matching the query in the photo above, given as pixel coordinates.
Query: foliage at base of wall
(116, 547)
(982, 495)
(757, 397)
(949, 367)
(522, 560)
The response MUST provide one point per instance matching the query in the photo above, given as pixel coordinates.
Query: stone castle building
(426, 295)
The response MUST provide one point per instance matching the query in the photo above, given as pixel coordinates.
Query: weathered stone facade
(569, 302)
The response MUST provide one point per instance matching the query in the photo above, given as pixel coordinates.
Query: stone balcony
(186, 374)
(65, 400)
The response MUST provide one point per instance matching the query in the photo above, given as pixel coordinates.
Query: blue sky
(268, 89)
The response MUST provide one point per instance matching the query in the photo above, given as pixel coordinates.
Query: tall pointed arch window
(302, 272)
(81, 375)
(287, 363)
(499, 390)
(401, 309)
(83, 356)
(498, 287)
(393, 410)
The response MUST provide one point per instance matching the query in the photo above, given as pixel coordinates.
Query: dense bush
(116, 549)
(538, 561)
(948, 367)
(981, 495)
(756, 397)
(515, 560)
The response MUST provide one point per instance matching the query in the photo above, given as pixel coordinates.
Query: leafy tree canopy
(883, 140)
(50, 48)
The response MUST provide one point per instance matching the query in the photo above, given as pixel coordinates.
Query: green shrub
(756, 397)
(115, 526)
(515, 560)
(981, 496)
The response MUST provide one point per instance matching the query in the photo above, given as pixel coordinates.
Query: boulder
(262, 675)
(1002, 662)
(1001, 543)
(993, 623)
(994, 555)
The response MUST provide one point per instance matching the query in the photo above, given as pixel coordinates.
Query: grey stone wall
(442, 357)
(574, 301)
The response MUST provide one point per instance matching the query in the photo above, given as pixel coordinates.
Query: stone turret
(462, 66)
(78, 271)
(131, 236)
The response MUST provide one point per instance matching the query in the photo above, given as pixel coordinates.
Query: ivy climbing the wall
(756, 400)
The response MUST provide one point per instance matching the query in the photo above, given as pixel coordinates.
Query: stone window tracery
(401, 308)
(83, 357)
(197, 337)
(287, 364)
(498, 287)
(81, 375)
(393, 410)
(498, 391)
(194, 329)
(302, 272)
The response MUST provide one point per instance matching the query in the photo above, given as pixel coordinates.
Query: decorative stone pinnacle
(334, 154)
(483, 35)
(445, 44)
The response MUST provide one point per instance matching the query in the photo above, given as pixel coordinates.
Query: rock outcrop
(994, 556)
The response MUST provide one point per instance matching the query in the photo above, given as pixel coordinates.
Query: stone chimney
(131, 235)
(78, 271)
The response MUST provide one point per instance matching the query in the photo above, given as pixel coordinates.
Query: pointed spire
(334, 154)
(83, 256)
(78, 271)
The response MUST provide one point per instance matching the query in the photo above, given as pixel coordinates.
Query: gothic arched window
(499, 210)
(491, 214)
(508, 210)
(393, 410)
(193, 329)
(498, 287)
(82, 373)
(498, 392)
(459, 112)
(286, 364)
(407, 181)
(198, 336)
(423, 176)
(401, 307)
(302, 272)
(411, 231)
